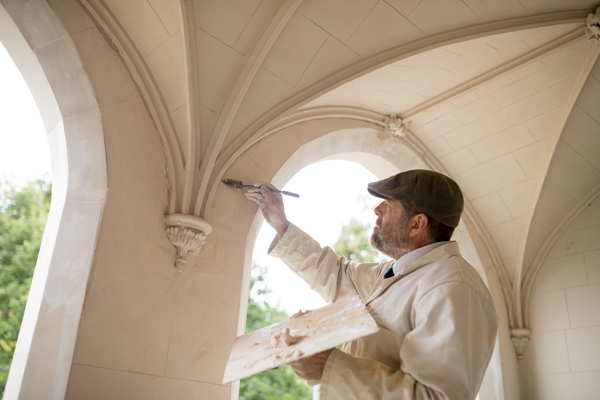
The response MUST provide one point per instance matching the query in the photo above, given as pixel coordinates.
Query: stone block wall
(563, 358)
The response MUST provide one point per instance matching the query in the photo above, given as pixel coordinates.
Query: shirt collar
(404, 264)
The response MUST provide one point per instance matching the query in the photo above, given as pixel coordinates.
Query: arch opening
(383, 155)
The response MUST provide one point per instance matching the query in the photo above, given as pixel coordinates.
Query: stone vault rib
(193, 112)
(151, 94)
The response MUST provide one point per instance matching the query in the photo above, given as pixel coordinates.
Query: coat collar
(445, 251)
(413, 256)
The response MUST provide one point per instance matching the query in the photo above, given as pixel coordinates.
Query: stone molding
(187, 233)
(593, 25)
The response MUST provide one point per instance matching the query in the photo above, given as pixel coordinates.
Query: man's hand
(271, 205)
(311, 368)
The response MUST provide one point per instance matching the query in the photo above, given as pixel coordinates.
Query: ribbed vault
(491, 89)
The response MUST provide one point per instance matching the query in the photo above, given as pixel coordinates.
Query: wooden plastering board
(310, 333)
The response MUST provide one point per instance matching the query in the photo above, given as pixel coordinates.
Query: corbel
(520, 338)
(187, 233)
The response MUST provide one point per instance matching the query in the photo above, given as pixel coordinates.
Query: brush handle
(284, 192)
(275, 191)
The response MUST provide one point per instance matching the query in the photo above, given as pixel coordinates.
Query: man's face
(390, 235)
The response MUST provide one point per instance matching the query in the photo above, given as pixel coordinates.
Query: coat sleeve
(443, 357)
(330, 275)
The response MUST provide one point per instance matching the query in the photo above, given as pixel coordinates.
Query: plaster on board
(298, 337)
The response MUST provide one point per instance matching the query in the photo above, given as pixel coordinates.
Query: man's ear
(419, 224)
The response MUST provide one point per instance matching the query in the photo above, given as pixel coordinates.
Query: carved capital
(187, 233)
(593, 25)
(520, 339)
(394, 126)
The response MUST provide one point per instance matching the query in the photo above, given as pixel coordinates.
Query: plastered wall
(563, 358)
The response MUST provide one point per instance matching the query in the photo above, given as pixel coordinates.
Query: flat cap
(424, 191)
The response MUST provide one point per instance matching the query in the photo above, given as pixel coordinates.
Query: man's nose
(377, 210)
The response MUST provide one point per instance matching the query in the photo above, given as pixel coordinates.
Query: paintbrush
(238, 185)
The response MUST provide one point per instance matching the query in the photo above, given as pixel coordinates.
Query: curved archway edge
(44, 53)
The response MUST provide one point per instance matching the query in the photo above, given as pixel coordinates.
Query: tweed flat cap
(424, 191)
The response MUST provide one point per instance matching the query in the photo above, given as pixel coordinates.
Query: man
(436, 317)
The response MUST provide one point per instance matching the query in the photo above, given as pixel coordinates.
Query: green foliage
(261, 313)
(279, 384)
(354, 244)
(23, 214)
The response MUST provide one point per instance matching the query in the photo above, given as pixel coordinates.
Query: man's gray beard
(394, 242)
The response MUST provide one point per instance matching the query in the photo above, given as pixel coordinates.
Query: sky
(24, 153)
(329, 190)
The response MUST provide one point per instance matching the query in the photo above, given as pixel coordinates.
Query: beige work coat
(437, 322)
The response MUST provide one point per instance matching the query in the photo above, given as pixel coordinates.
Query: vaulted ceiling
(504, 95)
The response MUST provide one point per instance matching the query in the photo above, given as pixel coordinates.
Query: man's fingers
(268, 195)
(254, 200)
(276, 196)
(254, 195)
(258, 198)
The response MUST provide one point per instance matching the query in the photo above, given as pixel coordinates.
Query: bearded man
(436, 317)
